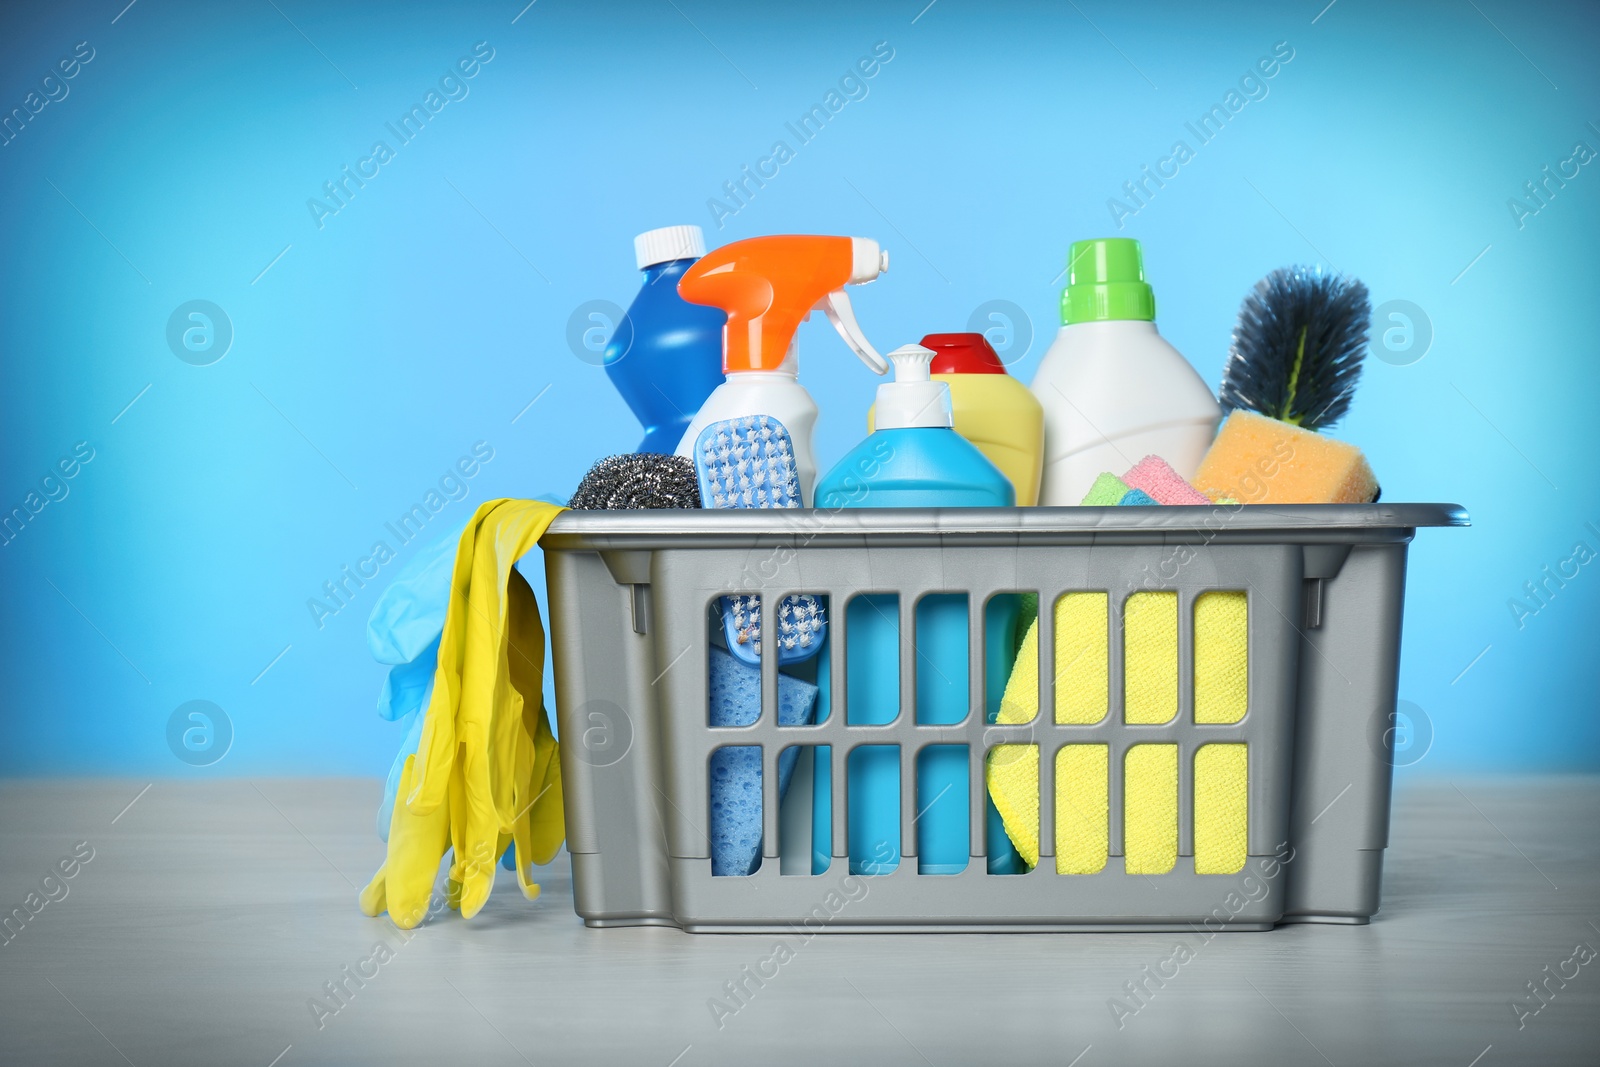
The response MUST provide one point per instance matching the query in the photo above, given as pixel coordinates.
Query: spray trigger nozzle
(836, 305)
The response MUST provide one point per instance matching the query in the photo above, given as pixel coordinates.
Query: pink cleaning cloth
(1156, 477)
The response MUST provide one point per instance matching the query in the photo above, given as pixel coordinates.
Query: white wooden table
(213, 913)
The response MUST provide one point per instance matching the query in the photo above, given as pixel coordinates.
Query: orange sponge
(1257, 460)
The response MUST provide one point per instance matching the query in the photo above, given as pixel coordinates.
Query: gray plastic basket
(629, 594)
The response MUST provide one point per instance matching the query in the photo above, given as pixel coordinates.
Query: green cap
(1105, 280)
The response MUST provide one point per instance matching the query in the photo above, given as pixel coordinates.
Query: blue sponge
(736, 770)
(1136, 498)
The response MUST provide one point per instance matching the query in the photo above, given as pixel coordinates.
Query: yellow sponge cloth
(1257, 460)
(1150, 657)
(1150, 809)
(1221, 656)
(1082, 697)
(1150, 791)
(1221, 808)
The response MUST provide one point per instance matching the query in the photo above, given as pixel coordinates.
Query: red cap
(962, 353)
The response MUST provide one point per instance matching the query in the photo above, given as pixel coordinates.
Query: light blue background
(429, 312)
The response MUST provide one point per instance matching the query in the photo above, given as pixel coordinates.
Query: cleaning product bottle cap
(1105, 281)
(963, 353)
(667, 244)
(913, 399)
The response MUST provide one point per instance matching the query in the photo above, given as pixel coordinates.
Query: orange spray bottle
(768, 286)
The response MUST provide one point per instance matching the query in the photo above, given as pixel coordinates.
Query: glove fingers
(547, 826)
(546, 820)
(416, 845)
(477, 881)
(374, 899)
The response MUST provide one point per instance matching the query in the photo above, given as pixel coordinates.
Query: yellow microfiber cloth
(1221, 657)
(1150, 801)
(1150, 658)
(1082, 697)
(1150, 697)
(486, 772)
(1221, 696)
(1221, 808)
(1150, 809)
(1082, 829)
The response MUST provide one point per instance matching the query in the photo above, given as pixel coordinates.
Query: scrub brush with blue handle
(749, 463)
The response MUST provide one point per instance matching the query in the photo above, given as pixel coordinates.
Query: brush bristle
(800, 621)
(1297, 350)
(747, 463)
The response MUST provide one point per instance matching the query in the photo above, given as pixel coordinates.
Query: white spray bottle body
(777, 394)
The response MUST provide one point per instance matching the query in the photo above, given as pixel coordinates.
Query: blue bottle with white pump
(914, 459)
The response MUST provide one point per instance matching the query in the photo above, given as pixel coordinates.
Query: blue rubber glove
(404, 631)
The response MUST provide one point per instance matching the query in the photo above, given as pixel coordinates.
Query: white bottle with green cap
(1112, 390)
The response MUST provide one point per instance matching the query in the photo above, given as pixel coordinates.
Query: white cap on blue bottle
(913, 398)
(667, 244)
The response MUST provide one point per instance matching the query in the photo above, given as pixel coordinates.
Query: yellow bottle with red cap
(992, 409)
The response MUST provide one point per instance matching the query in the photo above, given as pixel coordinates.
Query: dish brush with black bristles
(1297, 349)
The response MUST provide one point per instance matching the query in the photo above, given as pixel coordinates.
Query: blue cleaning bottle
(665, 356)
(914, 459)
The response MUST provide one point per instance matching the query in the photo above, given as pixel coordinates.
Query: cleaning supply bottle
(768, 286)
(1112, 390)
(992, 409)
(665, 356)
(913, 459)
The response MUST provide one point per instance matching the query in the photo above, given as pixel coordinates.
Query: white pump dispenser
(913, 398)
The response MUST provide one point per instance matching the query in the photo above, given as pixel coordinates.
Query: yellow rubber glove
(486, 770)
(505, 644)
(547, 825)
(537, 825)
(404, 884)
